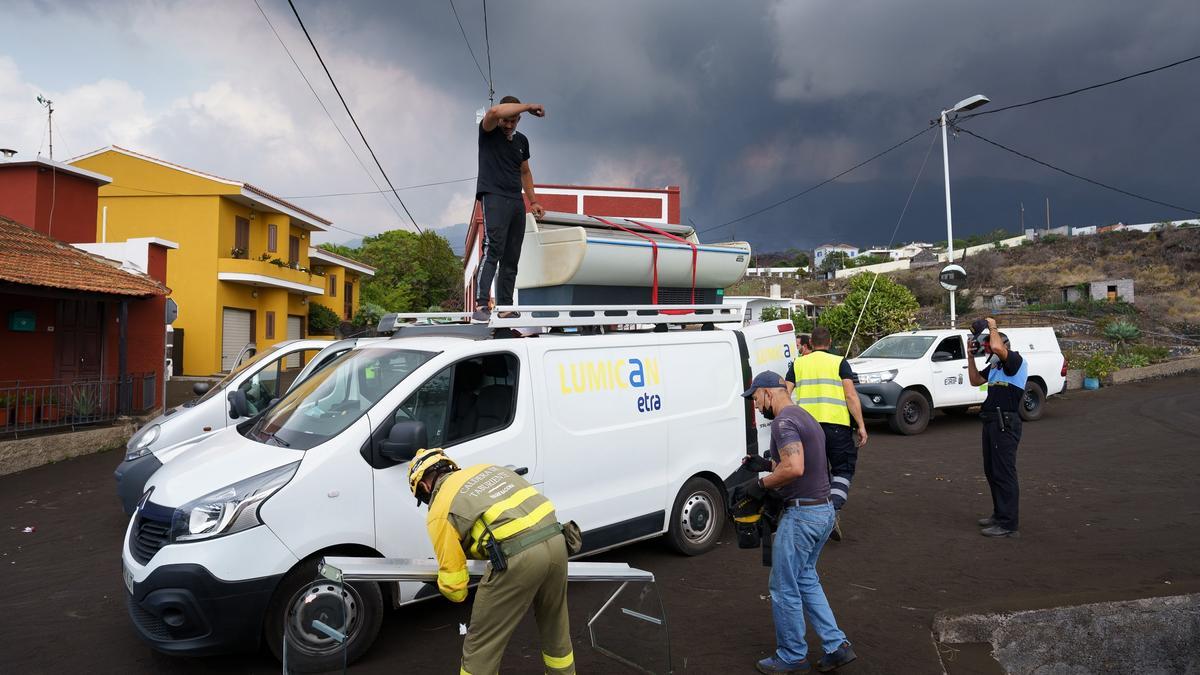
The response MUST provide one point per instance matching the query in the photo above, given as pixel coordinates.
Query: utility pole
(1047, 214)
(49, 106)
(1022, 217)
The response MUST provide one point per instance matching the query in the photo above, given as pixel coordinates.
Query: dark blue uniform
(1001, 435)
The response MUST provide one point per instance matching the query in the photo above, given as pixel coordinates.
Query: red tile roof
(34, 259)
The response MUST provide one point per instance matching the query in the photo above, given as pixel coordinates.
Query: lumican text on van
(585, 377)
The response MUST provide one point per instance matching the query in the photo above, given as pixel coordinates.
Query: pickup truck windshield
(334, 397)
(898, 347)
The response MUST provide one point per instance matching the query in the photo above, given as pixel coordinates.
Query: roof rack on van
(574, 316)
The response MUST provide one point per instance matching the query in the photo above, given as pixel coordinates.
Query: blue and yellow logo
(585, 377)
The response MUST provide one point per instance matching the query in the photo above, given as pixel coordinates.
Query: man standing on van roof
(798, 476)
(503, 173)
(488, 512)
(825, 388)
(1005, 376)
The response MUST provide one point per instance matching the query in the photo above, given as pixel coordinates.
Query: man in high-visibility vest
(824, 386)
(488, 512)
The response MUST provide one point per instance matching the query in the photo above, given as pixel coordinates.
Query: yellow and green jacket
(463, 503)
(819, 388)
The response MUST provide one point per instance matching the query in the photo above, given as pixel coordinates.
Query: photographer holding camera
(797, 474)
(1005, 375)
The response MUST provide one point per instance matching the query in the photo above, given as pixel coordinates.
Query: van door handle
(520, 471)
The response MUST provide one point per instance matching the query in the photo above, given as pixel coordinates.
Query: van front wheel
(355, 609)
(697, 518)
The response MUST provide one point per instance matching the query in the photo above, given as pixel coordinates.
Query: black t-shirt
(500, 162)
(844, 370)
(1007, 388)
(792, 424)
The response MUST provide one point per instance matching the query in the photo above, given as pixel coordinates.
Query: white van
(249, 388)
(630, 433)
(904, 377)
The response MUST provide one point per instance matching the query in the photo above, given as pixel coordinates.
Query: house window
(293, 250)
(333, 285)
(272, 237)
(270, 325)
(241, 238)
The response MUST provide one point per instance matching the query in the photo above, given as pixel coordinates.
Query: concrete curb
(27, 453)
(1149, 635)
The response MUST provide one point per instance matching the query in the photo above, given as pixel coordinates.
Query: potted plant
(83, 404)
(25, 409)
(1097, 367)
(50, 409)
(6, 402)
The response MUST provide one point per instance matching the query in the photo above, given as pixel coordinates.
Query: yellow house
(243, 271)
(343, 281)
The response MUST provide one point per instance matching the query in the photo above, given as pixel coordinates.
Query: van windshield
(334, 397)
(898, 347)
(256, 357)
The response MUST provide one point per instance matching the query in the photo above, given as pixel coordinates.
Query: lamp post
(962, 106)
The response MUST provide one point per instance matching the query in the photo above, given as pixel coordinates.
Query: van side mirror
(403, 441)
(200, 388)
(238, 405)
(942, 356)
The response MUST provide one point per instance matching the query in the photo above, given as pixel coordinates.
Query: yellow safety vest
(819, 388)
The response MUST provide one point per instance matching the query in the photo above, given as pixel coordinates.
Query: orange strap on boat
(653, 253)
(695, 251)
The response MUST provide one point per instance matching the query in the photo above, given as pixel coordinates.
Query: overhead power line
(327, 113)
(1097, 183)
(823, 183)
(1081, 89)
(375, 192)
(487, 44)
(352, 119)
(468, 41)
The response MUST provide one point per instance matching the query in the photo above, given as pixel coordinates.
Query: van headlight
(231, 509)
(139, 445)
(877, 378)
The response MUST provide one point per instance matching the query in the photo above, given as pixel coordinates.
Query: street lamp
(964, 105)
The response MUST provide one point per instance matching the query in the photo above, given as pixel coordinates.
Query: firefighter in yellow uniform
(488, 512)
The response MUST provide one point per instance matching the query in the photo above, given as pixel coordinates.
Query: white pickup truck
(905, 376)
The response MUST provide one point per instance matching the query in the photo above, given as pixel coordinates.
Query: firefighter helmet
(426, 459)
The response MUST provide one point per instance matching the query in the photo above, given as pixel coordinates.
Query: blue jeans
(795, 586)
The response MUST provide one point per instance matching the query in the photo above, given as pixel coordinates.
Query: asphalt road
(1109, 510)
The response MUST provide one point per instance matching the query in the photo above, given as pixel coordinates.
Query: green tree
(412, 271)
(864, 260)
(892, 309)
(340, 249)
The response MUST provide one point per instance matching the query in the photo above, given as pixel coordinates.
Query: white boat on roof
(577, 259)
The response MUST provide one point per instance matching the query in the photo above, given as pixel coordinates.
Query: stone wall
(27, 453)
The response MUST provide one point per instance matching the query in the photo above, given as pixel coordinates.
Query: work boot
(836, 533)
(481, 315)
(987, 522)
(837, 658)
(999, 531)
(773, 665)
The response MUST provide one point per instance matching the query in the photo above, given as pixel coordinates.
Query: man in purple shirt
(799, 477)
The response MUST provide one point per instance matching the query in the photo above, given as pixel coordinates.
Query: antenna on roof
(49, 106)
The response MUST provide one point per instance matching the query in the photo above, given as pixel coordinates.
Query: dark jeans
(843, 456)
(504, 232)
(1000, 467)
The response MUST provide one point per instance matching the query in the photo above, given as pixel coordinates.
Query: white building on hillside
(824, 250)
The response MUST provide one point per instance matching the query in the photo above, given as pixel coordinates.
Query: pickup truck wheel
(912, 413)
(697, 518)
(355, 609)
(1033, 404)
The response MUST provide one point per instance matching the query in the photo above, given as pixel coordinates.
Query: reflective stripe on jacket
(819, 388)
(463, 503)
